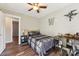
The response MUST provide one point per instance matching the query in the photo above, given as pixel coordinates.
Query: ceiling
(23, 8)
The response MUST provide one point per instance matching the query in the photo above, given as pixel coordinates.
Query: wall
(29, 24)
(2, 36)
(61, 23)
(8, 24)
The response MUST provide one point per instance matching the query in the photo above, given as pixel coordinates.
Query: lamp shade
(25, 32)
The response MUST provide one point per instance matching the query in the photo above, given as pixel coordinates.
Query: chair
(64, 48)
(67, 50)
(76, 46)
(75, 50)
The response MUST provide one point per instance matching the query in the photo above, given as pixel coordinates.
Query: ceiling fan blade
(30, 3)
(37, 11)
(43, 6)
(30, 9)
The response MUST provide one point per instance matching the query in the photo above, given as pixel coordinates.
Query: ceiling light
(35, 7)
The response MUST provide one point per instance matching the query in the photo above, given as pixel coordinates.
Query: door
(2, 43)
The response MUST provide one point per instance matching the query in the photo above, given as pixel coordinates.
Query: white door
(2, 41)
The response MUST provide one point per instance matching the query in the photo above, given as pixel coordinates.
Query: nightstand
(24, 39)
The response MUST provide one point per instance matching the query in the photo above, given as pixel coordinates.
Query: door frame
(19, 18)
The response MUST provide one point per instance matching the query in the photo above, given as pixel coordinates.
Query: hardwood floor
(13, 49)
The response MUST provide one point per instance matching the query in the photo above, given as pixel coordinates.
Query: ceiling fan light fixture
(35, 8)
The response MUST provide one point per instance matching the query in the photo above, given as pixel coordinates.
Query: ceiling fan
(37, 7)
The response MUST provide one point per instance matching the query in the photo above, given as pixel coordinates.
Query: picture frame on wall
(51, 21)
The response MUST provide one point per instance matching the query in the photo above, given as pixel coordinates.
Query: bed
(40, 43)
(35, 37)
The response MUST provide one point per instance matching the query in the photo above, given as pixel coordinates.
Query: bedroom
(49, 26)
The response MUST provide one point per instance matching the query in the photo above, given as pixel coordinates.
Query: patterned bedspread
(41, 43)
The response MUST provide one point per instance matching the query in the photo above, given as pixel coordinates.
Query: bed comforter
(41, 43)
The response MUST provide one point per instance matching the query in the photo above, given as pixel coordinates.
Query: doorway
(15, 31)
(12, 29)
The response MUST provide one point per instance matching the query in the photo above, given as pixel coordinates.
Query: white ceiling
(23, 8)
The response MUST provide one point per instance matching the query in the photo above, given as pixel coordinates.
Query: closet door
(2, 43)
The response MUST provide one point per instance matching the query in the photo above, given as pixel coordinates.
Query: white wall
(2, 36)
(29, 24)
(61, 23)
(8, 24)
